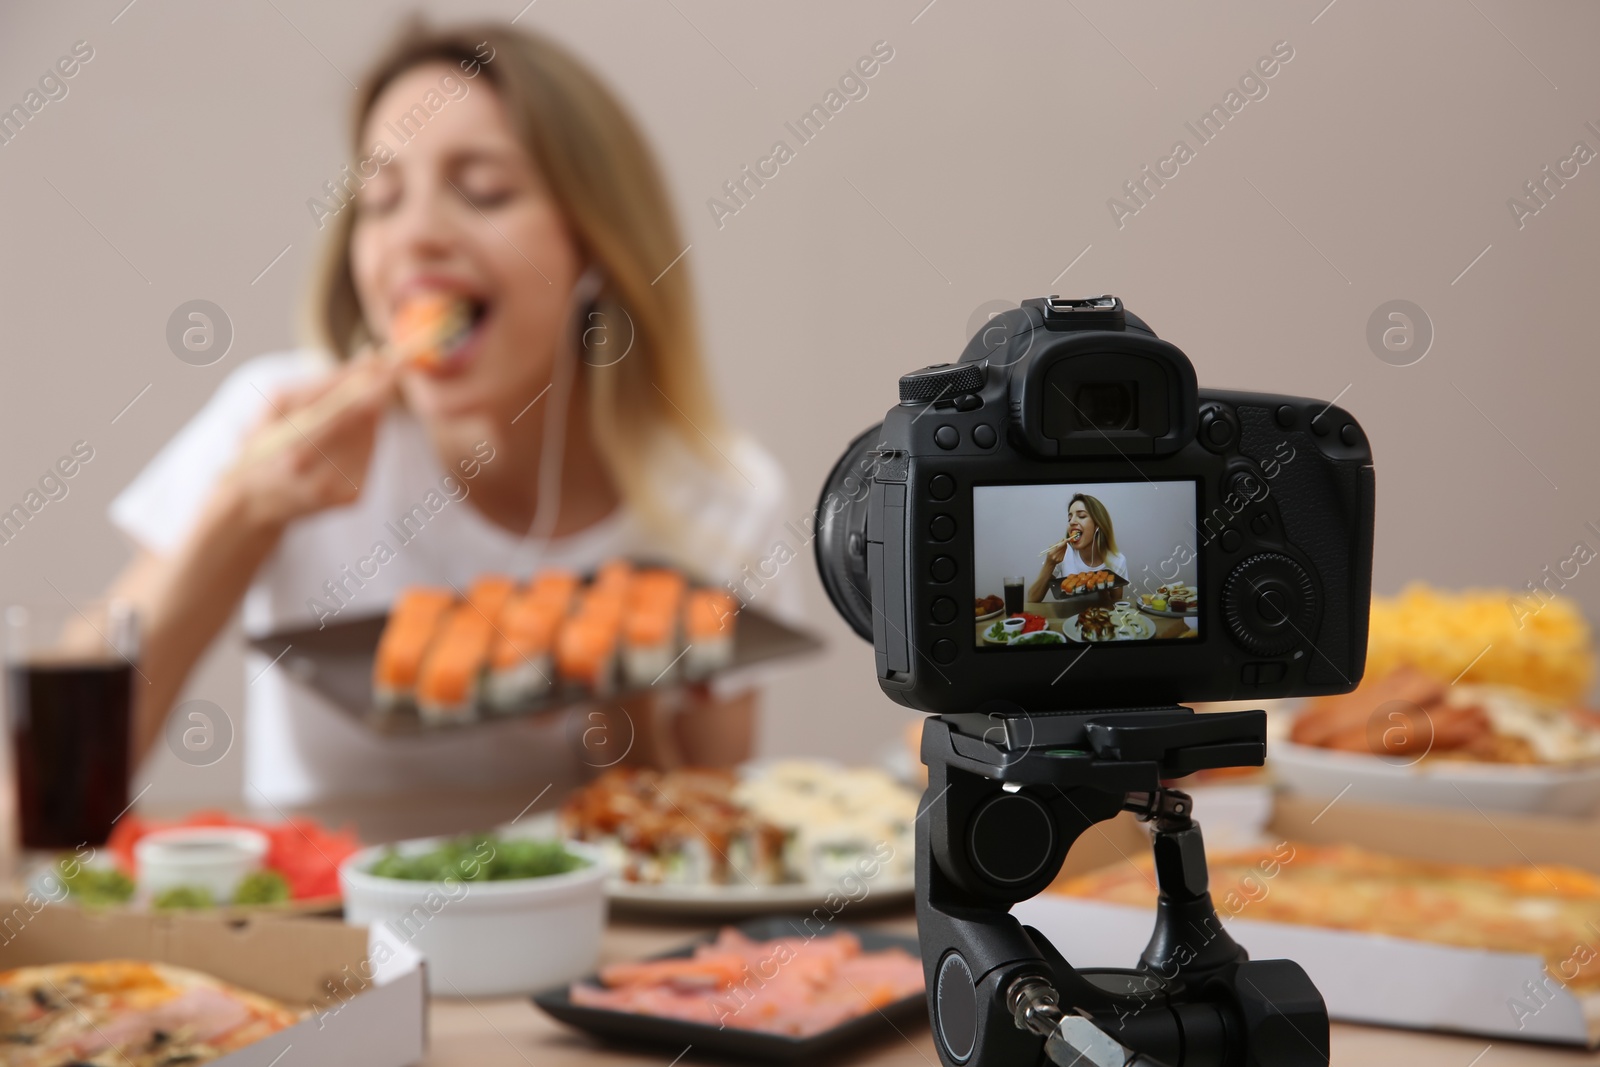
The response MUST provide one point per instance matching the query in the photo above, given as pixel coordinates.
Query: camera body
(1177, 544)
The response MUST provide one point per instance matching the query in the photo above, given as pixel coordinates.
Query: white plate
(1147, 630)
(1017, 640)
(713, 901)
(1320, 772)
(1148, 610)
(995, 614)
(731, 900)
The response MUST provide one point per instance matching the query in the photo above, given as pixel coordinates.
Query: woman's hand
(1056, 553)
(311, 450)
(1039, 588)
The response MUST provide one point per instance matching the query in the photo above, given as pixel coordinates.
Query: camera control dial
(1270, 604)
(942, 381)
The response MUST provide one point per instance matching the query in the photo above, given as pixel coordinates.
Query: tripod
(1008, 794)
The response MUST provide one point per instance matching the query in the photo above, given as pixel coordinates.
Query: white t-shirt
(298, 746)
(1072, 563)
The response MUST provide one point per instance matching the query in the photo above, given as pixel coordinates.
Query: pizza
(1547, 910)
(128, 1013)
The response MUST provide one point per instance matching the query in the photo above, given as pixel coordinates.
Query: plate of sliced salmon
(779, 989)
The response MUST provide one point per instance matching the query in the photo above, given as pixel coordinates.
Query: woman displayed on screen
(1088, 544)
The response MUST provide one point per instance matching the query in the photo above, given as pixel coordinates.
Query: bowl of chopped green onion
(493, 914)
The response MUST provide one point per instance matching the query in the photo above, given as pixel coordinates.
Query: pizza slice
(128, 1013)
(1547, 910)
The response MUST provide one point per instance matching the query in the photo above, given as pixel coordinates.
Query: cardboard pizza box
(1368, 978)
(364, 990)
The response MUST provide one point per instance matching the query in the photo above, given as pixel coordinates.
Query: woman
(564, 430)
(1089, 544)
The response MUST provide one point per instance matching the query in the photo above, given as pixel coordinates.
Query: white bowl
(1320, 772)
(214, 858)
(486, 938)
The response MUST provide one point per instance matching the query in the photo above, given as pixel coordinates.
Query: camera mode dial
(942, 381)
(1270, 604)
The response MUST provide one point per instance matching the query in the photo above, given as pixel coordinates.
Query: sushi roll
(603, 606)
(613, 577)
(447, 688)
(708, 622)
(657, 586)
(521, 667)
(413, 622)
(489, 594)
(586, 654)
(555, 589)
(649, 645)
(429, 327)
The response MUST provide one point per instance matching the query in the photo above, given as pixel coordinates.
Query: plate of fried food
(1462, 705)
(988, 607)
(1120, 623)
(785, 835)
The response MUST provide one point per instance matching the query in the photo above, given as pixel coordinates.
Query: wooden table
(1057, 612)
(511, 1032)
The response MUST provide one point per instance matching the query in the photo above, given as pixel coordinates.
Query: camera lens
(1107, 405)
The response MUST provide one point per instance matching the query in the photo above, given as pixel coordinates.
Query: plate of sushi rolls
(446, 656)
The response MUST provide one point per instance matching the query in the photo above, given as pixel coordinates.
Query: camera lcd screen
(1085, 562)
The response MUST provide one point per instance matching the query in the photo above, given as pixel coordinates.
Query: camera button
(983, 435)
(1232, 540)
(1350, 434)
(944, 650)
(943, 569)
(947, 437)
(1287, 416)
(944, 610)
(1217, 430)
(942, 528)
(941, 487)
(969, 402)
(1261, 525)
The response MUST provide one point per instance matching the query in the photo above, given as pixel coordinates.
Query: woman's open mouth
(438, 332)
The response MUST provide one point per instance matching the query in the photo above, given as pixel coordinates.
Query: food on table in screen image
(131, 1013)
(1178, 599)
(506, 646)
(1544, 910)
(1088, 582)
(1458, 676)
(794, 821)
(817, 983)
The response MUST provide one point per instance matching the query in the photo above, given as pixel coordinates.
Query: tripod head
(1068, 475)
(1008, 794)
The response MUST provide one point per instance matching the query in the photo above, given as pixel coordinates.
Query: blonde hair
(603, 176)
(1105, 537)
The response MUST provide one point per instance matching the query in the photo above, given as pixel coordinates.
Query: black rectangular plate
(336, 662)
(674, 1034)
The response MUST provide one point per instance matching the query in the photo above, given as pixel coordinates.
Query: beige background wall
(978, 167)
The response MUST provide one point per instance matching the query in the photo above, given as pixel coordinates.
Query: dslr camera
(1052, 544)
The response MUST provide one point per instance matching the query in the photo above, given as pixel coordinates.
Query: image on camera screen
(1085, 562)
